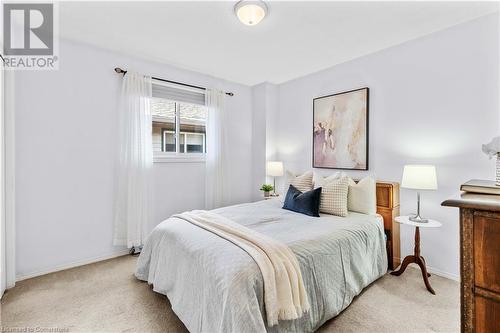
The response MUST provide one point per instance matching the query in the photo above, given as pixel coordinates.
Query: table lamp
(419, 177)
(274, 169)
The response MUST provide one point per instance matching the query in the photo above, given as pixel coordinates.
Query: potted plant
(266, 188)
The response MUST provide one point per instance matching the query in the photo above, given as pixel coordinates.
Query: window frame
(203, 140)
(165, 131)
(177, 156)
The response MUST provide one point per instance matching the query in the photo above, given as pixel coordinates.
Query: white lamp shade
(419, 177)
(274, 168)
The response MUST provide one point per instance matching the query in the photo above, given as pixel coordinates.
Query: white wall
(264, 122)
(432, 100)
(65, 141)
(259, 137)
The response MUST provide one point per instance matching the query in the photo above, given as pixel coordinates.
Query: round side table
(416, 258)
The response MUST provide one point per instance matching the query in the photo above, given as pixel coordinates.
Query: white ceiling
(297, 38)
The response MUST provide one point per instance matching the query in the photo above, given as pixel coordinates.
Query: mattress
(214, 286)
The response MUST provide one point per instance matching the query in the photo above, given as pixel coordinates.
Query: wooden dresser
(479, 261)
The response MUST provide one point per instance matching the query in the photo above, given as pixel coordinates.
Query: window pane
(195, 142)
(192, 121)
(168, 141)
(181, 142)
(163, 113)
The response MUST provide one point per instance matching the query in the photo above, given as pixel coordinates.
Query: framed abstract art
(340, 130)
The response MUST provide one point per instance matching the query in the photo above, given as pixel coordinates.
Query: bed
(214, 286)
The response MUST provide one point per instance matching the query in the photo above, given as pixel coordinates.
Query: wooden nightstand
(388, 208)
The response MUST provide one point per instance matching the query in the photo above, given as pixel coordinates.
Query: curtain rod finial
(119, 70)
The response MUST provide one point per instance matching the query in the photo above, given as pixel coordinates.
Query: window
(179, 131)
(188, 142)
(163, 114)
(192, 128)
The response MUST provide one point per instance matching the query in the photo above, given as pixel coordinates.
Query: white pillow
(362, 197)
(303, 183)
(319, 180)
(334, 196)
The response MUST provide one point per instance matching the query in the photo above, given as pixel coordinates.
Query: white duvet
(215, 286)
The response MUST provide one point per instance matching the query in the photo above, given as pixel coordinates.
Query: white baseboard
(436, 271)
(120, 253)
(447, 275)
(72, 265)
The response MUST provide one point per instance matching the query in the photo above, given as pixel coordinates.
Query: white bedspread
(215, 286)
(285, 297)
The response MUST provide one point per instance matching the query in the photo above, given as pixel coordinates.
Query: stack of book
(481, 187)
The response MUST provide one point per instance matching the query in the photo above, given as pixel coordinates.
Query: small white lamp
(274, 169)
(419, 177)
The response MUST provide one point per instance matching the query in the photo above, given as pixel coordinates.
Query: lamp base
(274, 194)
(418, 219)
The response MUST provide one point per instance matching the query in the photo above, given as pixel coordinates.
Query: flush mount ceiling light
(250, 12)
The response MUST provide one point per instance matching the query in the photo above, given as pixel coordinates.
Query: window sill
(178, 158)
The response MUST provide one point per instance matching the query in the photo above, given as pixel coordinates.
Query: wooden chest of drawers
(479, 261)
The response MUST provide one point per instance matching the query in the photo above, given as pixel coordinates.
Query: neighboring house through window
(179, 119)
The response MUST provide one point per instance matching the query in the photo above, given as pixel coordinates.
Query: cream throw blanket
(284, 293)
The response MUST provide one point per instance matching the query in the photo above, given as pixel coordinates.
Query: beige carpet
(105, 297)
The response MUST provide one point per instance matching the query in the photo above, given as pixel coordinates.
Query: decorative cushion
(362, 197)
(334, 196)
(319, 180)
(305, 203)
(303, 182)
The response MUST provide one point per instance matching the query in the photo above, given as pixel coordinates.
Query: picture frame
(341, 130)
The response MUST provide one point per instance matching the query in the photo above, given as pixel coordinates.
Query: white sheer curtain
(215, 165)
(7, 181)
(133, 184)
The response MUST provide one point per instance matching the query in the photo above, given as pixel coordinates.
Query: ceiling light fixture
(250, 12)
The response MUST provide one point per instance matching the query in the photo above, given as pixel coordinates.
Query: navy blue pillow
(305, 203)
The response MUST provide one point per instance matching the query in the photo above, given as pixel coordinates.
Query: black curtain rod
(121, 71)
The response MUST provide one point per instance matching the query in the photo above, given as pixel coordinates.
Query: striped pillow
(303, 183)
(334, 197)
